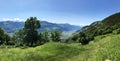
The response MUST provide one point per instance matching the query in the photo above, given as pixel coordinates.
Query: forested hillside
(106, 26)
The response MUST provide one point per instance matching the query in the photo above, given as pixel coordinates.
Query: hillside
(102, 48)
(105, 47)
(11, 27)
(110, 23)
(106, 26)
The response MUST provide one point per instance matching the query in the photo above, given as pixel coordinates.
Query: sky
(76, 12)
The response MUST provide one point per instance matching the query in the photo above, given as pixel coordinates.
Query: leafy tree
(82, 38)
(40, 39)
(6, 39)
(75, 37)
(18, 38)
(44, 37)
(30, 28)
(56, 35)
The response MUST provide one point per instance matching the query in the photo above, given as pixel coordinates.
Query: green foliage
(32, 23)
(28, 36)
(117, 31)
(4, 37)
(100, 49)
(30, 28)
(106, 26)
(56, 35)
(44, 37)
(1, 36)
(18, 38)
(82, 38)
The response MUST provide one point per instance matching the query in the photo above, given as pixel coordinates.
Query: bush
(117, 31)
(56, 35)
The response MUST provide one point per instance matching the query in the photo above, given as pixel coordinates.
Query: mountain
(105, 26)
(11, 26)
(62, 27)
(108, 25)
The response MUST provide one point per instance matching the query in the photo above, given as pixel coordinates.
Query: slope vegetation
(106, 26)
(105, 47)
(100, 49)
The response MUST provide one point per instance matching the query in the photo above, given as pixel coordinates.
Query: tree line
(29, 36)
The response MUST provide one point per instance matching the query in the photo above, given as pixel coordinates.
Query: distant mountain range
(12, 26)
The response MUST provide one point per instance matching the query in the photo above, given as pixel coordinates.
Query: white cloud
(13, 19)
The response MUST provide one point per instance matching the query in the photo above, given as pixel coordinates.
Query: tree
(44, 37)
(83, 38)
(6, 39)
(1, 36)
(30, 28)
(18, 38)
(56, 35)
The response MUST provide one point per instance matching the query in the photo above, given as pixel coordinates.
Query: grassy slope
(102, 48)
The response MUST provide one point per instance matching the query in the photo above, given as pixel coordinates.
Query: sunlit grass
(102, 48)
(48, 52)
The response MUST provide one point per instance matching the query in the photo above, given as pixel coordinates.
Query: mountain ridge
(108, 25)
(12, 26)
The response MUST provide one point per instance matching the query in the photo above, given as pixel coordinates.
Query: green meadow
(100, 49)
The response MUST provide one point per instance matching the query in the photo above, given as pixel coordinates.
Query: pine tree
(1, 36)
(30, 28)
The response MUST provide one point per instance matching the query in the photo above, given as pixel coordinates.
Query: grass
(102, 48)
(48, 52)
(110, 49)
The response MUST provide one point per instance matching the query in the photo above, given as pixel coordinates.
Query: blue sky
(76, 12)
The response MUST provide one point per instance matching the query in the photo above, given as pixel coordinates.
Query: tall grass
(48, 52)
(102, 48)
